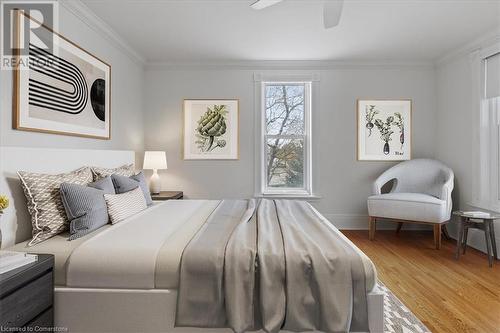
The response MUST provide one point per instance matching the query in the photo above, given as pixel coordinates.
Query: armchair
(420, 193)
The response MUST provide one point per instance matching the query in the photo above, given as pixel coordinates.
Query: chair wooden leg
(445, 232)
(437, 236)
(372, 224)
(400, 225)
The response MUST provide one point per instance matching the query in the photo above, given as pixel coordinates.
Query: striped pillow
(121, 206)
(85, 208)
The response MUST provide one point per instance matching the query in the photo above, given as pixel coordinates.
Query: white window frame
(306, 190)
(486, 156)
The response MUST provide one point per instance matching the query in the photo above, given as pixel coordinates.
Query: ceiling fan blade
(332, 10)
(261, 4)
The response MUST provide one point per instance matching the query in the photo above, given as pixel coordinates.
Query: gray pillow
(85, 208)
(105, 184)
(126, 184)
(143, 184)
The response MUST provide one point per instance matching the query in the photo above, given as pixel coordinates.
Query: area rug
(397, 317)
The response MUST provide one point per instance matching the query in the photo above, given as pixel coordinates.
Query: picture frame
(384, 129)
(211, 129)
(66, 91)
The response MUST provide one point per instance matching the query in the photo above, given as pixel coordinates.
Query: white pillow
(121, 206)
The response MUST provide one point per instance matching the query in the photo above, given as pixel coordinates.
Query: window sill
(288, 196)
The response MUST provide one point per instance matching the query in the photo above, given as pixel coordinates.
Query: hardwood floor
(445, 294)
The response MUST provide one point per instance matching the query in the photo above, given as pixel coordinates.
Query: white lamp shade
(155, 160)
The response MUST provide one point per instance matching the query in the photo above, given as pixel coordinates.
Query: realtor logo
(25, 23)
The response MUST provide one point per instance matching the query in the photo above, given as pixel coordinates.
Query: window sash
(488, 179)
(493, 105)
(492, 76)
(306, 189)
(492, 149)
(304, 159)
(298, 84)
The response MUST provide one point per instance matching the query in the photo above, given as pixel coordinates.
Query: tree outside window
(285, 135)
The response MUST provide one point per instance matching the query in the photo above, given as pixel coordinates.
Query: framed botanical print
(211, 129)
(384, 130)
(64, 90)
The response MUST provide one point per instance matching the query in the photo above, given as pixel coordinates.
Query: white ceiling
(229, 30)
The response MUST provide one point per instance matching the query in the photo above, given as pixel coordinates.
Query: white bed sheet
(125, 255)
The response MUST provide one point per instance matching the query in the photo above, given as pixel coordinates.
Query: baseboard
(360, 222)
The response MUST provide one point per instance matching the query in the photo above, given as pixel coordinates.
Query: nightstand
(26, 296)
(485, 223)
(167, 195)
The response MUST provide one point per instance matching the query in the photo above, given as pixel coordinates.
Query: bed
(136, 292)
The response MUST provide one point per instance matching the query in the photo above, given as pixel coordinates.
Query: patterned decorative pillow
(121, 206)
(48, 216)
(126, 170)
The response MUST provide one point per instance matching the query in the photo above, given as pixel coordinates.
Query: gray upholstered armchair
(420, 193)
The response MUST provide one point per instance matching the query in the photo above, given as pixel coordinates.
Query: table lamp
(155, 160)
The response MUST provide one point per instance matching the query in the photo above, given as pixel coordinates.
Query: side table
(484, 223)
(167, 195)
(27, 297)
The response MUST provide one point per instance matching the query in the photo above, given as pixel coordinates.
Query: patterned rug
(397, 317)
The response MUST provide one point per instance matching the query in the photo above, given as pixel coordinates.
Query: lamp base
(155, 183)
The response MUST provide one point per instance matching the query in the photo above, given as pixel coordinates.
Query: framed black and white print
(65, 90)
(384, 130)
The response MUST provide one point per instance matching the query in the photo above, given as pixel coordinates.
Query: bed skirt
(138, 310)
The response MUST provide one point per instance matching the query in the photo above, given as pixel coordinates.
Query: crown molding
(287, 64)
(87, 16)
(487, 39)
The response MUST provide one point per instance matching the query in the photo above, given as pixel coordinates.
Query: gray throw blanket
(271, 265)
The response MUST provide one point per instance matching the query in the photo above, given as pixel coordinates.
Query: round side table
(484, 223)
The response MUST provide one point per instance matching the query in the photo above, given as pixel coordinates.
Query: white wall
(126, 96)
(344, 182)
(454, 118)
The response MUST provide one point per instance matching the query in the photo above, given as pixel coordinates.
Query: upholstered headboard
(15, 224)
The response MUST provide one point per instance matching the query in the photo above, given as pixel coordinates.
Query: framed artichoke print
(64, 90)
(211, 129)
(384, 130)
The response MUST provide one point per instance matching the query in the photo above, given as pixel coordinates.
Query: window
(489, 132)
(286, 108)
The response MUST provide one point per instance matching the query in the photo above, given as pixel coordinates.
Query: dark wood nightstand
(27, 294)
(167, 195)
